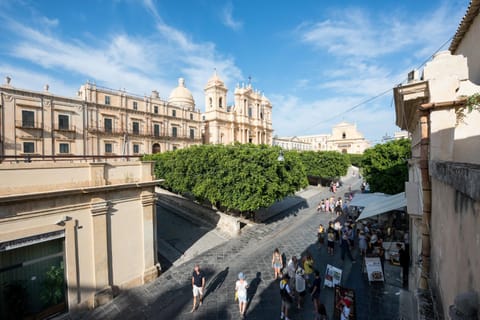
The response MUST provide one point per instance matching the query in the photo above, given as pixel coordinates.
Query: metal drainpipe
(427, 198)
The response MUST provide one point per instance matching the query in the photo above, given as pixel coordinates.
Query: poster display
(333, 276)
(374, 269)
(344, 293)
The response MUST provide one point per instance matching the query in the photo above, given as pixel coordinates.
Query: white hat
(374, 239)
(241, 276)
(300, 271)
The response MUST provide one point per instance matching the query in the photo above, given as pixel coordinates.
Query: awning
(385, 204)
(365, 199)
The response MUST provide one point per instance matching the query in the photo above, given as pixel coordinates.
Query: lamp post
(280, 156)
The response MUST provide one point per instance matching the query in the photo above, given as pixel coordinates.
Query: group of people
(299, 279)
(337, 206)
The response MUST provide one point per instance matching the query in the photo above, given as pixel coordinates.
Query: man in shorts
(198, 284)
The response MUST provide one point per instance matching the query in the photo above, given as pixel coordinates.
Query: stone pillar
(97, 174)
(151, 268)
(72, 272)
(99, 209)
(147, 173)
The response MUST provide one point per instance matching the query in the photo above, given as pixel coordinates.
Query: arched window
(210, 102)
(344, 135)
(220, 102)
(155, 148)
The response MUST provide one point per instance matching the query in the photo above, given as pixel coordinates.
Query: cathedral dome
(181, 96)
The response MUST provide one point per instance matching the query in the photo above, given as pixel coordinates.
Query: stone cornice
(463, 177)
(77, 191)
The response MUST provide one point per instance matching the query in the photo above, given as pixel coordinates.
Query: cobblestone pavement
(293, 232)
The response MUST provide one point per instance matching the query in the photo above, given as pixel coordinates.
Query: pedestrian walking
(241, 287)
(345, 248)
(308, 264)
(321, 235)
(198, 285)
(286, 296)
(330, 239)
(362, 244)
(277, 264)
(317, 283)
(404, 263)
(300, 287)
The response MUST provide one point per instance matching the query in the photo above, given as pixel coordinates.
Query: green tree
(385, 167)
(356, 159)
(325, 164)
(236, 178)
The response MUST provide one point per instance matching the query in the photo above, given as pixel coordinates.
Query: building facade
(62, 231)
(98, 122)
(345, 138)
(249, 120)
(292, 143)
(443, 193)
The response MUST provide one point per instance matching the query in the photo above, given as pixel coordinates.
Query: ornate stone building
(105, 122)
(249, 120)
(345, 138)
(98, 121)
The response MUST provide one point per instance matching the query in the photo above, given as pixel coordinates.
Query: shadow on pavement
(252, 289)
(216, 282)
(293, 210)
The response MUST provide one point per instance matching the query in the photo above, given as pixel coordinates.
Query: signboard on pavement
(333, 276)
(374, 269)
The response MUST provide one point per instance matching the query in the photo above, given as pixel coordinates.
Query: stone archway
(155, 148)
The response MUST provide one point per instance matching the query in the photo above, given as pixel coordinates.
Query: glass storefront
(32, 277)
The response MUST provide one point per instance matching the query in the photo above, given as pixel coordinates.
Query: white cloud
(138, 63)
(228, 20)
(355, 33)
(23, 78)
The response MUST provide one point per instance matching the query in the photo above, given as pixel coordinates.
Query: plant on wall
(53, 287)
(472, 103)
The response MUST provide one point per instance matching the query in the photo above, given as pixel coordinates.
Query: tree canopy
(236, 177)
(385, 167)
(325, 164)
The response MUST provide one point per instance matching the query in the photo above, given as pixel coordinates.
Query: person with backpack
(286, 296)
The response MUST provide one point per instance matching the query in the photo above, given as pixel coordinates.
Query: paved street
(293, 232)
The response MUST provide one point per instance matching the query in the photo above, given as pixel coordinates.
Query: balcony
(64, 127)
(26, 124)
(106, 130)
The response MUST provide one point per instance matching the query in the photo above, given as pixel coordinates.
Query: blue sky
(313, 59)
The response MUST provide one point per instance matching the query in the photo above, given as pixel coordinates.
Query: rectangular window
(192, 133)
(108, 148)
(174, 132)
(156, 130)
(174, 113)
(135, 105)
(174, 148)
(249, 112)
(64, 148)
(28, 119)
(63, 122)
(136, 148)
(108, 124)
(135, 127)
(155, 109)
(107, 100)
(191, 116)
(28, 147)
